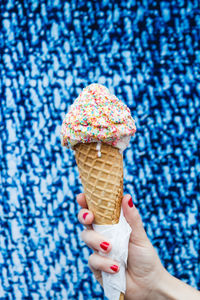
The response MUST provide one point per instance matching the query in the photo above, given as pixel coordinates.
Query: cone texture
(102, 180)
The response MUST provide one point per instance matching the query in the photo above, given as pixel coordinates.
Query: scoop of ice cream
(97, 116)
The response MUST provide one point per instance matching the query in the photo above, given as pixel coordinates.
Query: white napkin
(118, 235)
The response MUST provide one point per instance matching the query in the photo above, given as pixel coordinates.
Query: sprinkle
(97, 116)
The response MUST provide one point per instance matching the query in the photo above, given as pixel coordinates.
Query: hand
(144, 269)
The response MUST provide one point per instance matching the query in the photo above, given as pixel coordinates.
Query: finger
(98, 275)
(81, 200)
(85, 217)
(96, 241)
(101, 263)
(138, 235)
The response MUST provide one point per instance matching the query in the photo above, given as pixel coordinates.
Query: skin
(146, 278)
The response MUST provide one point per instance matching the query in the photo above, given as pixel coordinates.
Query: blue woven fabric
(147, 53)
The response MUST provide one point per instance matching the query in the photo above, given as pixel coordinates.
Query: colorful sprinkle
(97, 116)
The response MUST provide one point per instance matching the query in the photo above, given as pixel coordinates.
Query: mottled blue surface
(148, 54)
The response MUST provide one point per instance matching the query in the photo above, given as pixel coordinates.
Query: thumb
(138, 234)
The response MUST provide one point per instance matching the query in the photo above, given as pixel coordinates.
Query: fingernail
(85, 215)
(130, 202)
(104, 245)
(114, 268)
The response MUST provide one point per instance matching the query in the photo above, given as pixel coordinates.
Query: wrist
(160, 290)
(164, 287)
(169, 287)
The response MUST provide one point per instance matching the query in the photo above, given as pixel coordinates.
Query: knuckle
(83, 235)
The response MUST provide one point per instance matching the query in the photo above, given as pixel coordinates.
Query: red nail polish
(130, 202)
(85, 215)
(104, 245)
(114, 268)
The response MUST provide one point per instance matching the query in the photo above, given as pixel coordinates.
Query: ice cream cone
(101, 174)
(99, 119)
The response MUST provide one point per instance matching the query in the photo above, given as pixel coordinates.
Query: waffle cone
(102, 180)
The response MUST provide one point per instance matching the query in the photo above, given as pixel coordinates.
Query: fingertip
(81, 200)
(114, 268)
(88, 218)
(105, 246)
(127, 201)
(129, 208)
(101, 263)
(85, 217)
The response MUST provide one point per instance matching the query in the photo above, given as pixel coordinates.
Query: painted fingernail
(104, 245)
(85, 215)
(114, 268)
(130, 202)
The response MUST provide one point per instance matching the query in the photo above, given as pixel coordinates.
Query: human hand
(144, 269)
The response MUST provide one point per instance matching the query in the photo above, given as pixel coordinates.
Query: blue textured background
(148, 54)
